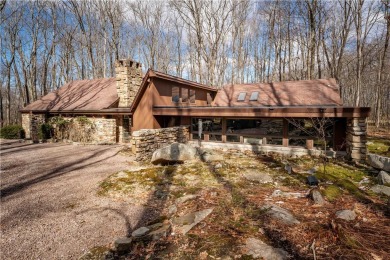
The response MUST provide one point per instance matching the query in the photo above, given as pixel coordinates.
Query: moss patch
(332, 193)
(346, 178)
(379, 146)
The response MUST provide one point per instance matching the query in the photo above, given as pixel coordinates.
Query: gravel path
(49, 203)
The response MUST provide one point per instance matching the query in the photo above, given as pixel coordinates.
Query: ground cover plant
(238, 200)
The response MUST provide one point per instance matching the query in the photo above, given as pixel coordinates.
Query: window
(184, 95)
(175, 94)
(192, 95)
(241, 96)
(254, 96)
(209, 98)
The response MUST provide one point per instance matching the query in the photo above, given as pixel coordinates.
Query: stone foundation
(146, 141)
(356, 139)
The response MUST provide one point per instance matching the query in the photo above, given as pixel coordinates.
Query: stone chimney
(128, 80)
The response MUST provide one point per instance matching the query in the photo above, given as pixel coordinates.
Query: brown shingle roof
(286, 93)
(78, 95)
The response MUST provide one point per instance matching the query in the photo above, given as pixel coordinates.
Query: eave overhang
(109, 111)
(281, 112)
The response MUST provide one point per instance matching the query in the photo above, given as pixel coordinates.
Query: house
(260, 114)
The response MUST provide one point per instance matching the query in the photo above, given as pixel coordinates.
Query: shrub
(45, 131)
(12, 132)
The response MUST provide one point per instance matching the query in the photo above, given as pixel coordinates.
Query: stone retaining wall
(356, 139)
(146, 141)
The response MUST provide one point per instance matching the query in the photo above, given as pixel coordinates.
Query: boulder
(346, 214)
(255, 176)
(379, 162)
(174, 153)
(184, 223)
(258, 249)
(316, 196)
(280, 214)
(383, 177)
(123, 244)
(381, 189)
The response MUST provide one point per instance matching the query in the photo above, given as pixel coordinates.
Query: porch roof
(265, 111)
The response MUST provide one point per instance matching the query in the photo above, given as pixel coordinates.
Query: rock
(160, 233)
(218, 166)
(258, 249)
(123, 244)
(279, 193)
(280, 213)
(383, 177)
(185, 198)
(210, 156)
(346, 214)
(288, 168)
(312, 171)
(312, 180)
(140, 232)
(379, 162)
(155, 226)
(185, 223)
(381, 189)
(316, 196)
(172, 209)
(160, 194)
(174, 153)
(255, 176)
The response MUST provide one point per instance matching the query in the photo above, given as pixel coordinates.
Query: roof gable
(78, 95)
(286, 93)
(150, 74)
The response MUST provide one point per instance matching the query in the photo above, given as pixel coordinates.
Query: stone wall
(128, 80)
(31, 124)
(105, 130)
(146, 141)
(356, 139)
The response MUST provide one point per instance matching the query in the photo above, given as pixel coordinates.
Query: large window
(192, 95)
(184, 95)
(212, 127)
(299, 130)
(255, 126)
(175, 94)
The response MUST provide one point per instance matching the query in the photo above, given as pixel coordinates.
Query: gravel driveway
(49, 203)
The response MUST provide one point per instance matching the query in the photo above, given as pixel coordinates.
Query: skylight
(241, 96)
(254, 96)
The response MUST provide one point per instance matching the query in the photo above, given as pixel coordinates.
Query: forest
(45, 44)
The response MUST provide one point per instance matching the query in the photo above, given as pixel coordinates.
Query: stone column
(26, 124)
(356, 139)
(36, 122)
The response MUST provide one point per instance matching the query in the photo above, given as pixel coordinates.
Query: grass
(380, 146)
